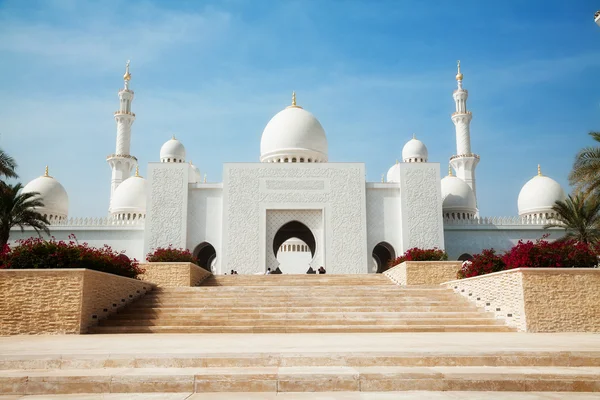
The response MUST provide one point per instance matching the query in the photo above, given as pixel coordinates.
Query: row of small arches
(55, 218)
(294, 159)
(129, 216)
(535, 216)
(458, 215)
(294, 247)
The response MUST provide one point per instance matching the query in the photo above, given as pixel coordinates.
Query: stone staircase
(300, 304)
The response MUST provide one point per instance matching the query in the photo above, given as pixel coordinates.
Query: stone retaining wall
(423, 272)
(173, 274)
(538, 299)
(61, 301)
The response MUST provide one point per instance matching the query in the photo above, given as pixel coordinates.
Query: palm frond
(7, 165)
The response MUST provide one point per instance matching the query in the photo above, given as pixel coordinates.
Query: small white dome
(457, 197)
(53, 194)
(293, 134)
(129, 199)
(414, 151)
(538, 195)
(172, 151)
(393, 174)
(194, 175)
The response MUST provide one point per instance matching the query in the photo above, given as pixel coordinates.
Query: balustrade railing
(96, 222)
(501, 221)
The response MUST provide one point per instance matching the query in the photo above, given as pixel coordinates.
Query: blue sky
(374, 72)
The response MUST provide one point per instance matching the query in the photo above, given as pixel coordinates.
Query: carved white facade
(297, 208)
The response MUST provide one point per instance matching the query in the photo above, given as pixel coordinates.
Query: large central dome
(293, 135)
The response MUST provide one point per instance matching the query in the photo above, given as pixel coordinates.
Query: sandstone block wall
(538, 299)
(172, 274)
(566, 300)
(55, 301)
(423, 272)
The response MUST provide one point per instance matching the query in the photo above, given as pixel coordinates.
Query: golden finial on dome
(450, 170)
(382, 181)
(294, 105)
(137, 171)
(127, 75)
(397, 161)
(46, 172)
(414, 136)
(204, 178)
(459, 75)
(539, 170)
(173, 137)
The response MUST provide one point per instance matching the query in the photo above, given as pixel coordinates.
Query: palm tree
(585, 176)
(580, 216)
(7, 165)
(18, 209)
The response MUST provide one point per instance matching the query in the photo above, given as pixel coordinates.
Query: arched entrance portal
(206, 255)
(299, 251)
(383, 252)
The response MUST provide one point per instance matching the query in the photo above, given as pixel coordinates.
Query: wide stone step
(300, 379)
(529, 359)
(301, 329)
(200, 314)
(293, 309)
(282, 322)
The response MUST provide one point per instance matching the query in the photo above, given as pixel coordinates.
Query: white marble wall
(205, 217)
(250, 190)
(421, 206)
(167, 205)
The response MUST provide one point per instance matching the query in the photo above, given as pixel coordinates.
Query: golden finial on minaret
(459, 75)
(127, 75)
(137, 171)
(539, 170)
(46, 172)
(450, 170)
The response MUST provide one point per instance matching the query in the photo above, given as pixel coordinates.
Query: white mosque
(294, 209)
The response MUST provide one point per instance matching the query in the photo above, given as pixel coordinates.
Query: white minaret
(464, 162)
(122, 163)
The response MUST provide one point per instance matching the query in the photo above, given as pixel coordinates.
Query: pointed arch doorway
(294, 247)
(206, 255)
(382, 254)
(303, 228)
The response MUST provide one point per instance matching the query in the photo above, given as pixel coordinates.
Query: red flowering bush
(170, 254)
(416, 254)
(38, 253)
(539, 254)
(485, 263)
(544, 254)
